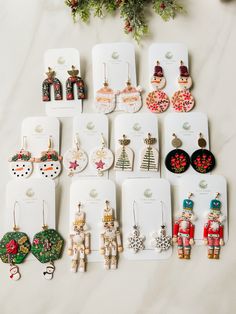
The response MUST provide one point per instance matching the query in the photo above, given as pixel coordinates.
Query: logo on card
(203, 184)
(38, 129)
(186, 126)
(148, 193)
(169, 55)
(93, 193)
(90, 126)
(29, 193)
(61, 60)
(137, 127)
(115, 55)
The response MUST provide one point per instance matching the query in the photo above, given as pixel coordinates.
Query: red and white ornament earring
(157, 100)
(182, 100)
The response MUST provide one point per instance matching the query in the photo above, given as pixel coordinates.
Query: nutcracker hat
(183, 70)
(215, 205)
(79, 218)
(108, 214)
(158, 71)
(188, 205)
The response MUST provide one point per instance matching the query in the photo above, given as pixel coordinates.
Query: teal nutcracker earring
(14, 247)
(47, 247)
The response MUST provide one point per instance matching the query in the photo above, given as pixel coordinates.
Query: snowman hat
(183, 70)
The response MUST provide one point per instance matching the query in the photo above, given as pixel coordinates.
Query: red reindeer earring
(74, 79)
(51, 80)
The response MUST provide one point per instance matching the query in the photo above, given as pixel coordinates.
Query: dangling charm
(182, 100)
(177, 160)
(21, 164)
(157, 100)
(51, 80)
(74, 79)
(75, 159)
(102, 158)
(124, 156)
(202, 160)
(105, 101)
(150, 155)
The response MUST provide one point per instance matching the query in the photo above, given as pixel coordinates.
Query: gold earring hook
(50, 142)
(45, 226)
(217, 195)
(79, 206)
(24, 143)
(76, 140)
(15, 228)
(190, 194)
(105, 74)
(102, 140)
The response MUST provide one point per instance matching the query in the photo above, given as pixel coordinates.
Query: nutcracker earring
(51, 80)
(105, 101)
(101, 158)
(74, 79)
(160, 240)
(177, 160)
(149, 155)
(47, 247)
(157, 100)
(182, 100)
(21, 164)
(202, 160)
(79, 242)
(75, 159)
(14, 247)
(136, 239)
(124, 156)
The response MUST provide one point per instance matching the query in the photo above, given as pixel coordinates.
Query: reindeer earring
(47, 247)
(150, 155)
(51, 80)
(74, 79)
(14, 247)
(157, 101)
(124, 156)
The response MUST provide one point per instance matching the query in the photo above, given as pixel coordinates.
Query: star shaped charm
(73, 165)
(100, 164)
(136, 240)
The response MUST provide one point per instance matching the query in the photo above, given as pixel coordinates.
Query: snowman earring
(74, 79)
(14, 247)
(47, 247)
(75, 159)
(49, 163)
(182, 100)
(51, 80)
(124, 156)
(150, 155)
(157, 100)
(105, 100)
(101, 158)
(21, 164)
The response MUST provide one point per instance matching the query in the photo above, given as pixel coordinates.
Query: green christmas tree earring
(47, 247)
(149, 155)
(124, 156)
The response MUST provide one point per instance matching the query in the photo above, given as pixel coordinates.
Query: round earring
(177, 160)
(74, 79)
(51, 80)
(202, 160)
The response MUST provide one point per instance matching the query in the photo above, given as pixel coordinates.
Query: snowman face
(50, 169)
(21, 169)
(158, 82)
(75, 161)
(14, 271)
(185, 82)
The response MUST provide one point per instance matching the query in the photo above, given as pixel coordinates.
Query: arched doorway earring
(105, 100)
(14, 247)
(157, 101)
(51, 80)
(182, 100)
(47, 247)
(177, 160)
(74, 79)
(101, 158)
(149, 155)
(202, 160)
(21, 164)
(124, 156)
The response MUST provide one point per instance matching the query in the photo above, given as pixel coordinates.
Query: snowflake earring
(157, 100)
(177, 160)
(161, 241)
(202, 160)
(150, 155)
(14, 247)
(21, 164)
(124, 156)
(105, 101)
(51, 80)
(136, 239)
(47, 247)
(102, 158)
(74, 79)
(182, 100)
(75, 159)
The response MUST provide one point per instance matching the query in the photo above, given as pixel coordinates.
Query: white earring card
(92, 194)
(152, 199)
(60, 61)
(204, 189)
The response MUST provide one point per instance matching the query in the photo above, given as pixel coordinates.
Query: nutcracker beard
(184, 247)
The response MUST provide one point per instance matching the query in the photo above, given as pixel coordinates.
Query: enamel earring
(124, 156)
(101, 158)
(21, 164)
(75, 159)
(74, 79)
(136, 239)
(51, 80)
(177, 160)
(202, 160)
(150, 155)
(157, 101)
(47, 247)
(182, 100)
(14, 247)
(49, 163)
(105, 100)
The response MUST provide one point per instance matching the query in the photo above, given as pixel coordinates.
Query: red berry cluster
(128, 28)
(178, 162)
(203, 162)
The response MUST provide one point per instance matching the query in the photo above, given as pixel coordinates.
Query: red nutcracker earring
(124, 157)
(51, 80)
(157, 100)
(74, 79)
(182, 100)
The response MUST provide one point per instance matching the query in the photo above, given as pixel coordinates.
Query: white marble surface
(27, 29)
